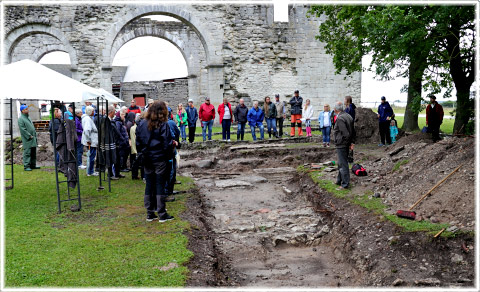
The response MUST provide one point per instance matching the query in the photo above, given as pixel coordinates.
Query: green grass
(107, 244)
(398, 164)
(376, 206)
(445, 127)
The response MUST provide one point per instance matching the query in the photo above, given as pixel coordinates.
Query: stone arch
(39, 53)
(19, 33)
(172, 38)
(210, 44)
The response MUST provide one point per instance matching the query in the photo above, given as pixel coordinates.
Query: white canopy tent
(27, 80)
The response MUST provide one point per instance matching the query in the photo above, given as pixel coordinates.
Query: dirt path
(270, 235)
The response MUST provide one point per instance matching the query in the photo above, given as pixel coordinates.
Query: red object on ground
(406, 214)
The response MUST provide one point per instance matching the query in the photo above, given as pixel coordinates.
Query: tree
(406, 40)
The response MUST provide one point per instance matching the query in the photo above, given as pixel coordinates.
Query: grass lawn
(446, 127)
(107, 244)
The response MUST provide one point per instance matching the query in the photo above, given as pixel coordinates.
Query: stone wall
(232, 51)
(172, 92)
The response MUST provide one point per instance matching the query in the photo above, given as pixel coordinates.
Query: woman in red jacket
(226, 117)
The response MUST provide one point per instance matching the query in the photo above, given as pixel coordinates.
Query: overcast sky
(151, 58)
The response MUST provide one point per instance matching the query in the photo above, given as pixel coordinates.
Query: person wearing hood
(307, 115)
(349, 107)
(384, 114)
(29, 139)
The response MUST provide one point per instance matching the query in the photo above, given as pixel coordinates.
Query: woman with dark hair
(123, 143)
(349, 107)
(155, 141)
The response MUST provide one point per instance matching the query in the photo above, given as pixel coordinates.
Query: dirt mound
(366, 126)
(44, 150)
(402, 178)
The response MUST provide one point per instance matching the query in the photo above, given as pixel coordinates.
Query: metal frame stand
(70, 198)
(10, 133)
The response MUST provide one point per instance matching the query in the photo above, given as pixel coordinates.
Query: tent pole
(99, 150)
(76, 163)
(55, 155)
(11, 137)
(108, 175)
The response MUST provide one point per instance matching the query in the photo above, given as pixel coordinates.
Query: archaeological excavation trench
(258, 222)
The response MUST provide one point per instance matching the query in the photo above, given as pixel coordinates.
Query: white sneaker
(82, 166)
(93, 174)
(229, 140)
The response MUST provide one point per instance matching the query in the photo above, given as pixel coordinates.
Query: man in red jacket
(226, 117)
(206, 115)
(134, 108)
(434, 117)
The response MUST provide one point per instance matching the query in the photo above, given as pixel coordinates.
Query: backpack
(358, 170)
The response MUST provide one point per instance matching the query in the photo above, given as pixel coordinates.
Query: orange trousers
(296, 119)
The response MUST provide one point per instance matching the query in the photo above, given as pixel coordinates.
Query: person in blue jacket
(384, 114)
(192, 117)
(172, 164)
(255, 119)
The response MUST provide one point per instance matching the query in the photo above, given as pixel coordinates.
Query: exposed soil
(264, 225)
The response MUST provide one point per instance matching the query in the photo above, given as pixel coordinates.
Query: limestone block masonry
(231, 51)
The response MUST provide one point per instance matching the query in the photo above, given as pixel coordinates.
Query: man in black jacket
(344, 139)
(240, 114)
(57, 120)
(115, 172)
(296, 112)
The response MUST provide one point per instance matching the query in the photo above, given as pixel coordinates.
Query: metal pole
(11, 138)
(99, 150)
(108, 175)
(55, 156)
(76, 164)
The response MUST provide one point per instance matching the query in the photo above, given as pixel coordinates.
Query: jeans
(93, 153)
(208, 124)
(326, 134)
(183, 133)
(385, 132)
(226, 124)
(171, 177)
(79, 147)
(240, 130)
(154, 198)
(191, 134)
(272, 124)
(260, 126)
(343, 177)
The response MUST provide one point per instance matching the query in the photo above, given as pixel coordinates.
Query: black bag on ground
(358, 170)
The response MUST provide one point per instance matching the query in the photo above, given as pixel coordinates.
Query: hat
(150, 100)
(207, 98)
(296, 91)
(22, 107)
(190, 100)
(277, 95)
(383, 98)
(432, 96)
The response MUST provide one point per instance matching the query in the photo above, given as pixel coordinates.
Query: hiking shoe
(114, 178)
(340, 188)
(150, 218)
(381, 144)
(165, 218)
(81, 166)
(170, 199)
(93, 174)
(27, 169)
(228, 140)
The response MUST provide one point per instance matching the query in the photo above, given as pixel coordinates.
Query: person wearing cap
(88, 103)
(134, 108)
(68, 115)
(281, 114)
(384, 114)
(149, 103)
(225, 115)
(296, 112)
(206, 115)
(434, 117)
(240, 113)
(29, 139)
(192, 117)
